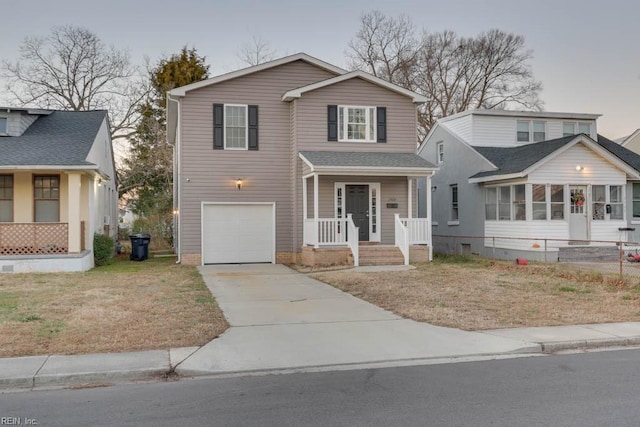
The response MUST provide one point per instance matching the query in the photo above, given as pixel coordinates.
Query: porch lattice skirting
(34, 238)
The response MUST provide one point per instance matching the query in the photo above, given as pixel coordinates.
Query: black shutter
(218, 126)
(253, 127)
(381, 124)
(332, 122)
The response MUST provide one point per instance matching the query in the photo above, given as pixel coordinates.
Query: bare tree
(385, 47)
(72, 69)
(256, 51)
(455, 73)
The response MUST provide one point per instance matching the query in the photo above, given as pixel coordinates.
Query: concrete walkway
(285, 321)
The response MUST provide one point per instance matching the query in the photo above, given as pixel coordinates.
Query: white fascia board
(491, 178)
(182, 91)
(51, 167)
(297, 93)
(307, 162)
(524, 114)
(630, 137)
(373, 170)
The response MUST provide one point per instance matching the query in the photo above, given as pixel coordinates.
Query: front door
(357, 204)
(578, 221)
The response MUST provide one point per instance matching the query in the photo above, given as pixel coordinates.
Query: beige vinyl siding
(266, 173)
(391, 189)
(562, 169)
(311, 117)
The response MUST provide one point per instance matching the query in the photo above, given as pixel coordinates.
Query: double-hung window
(235, 127)
(3, 125)
(46, 194)
(454, 202)
(539, 201)
(6, 198)
(440, 152)
(531, 130)
(615, 200)
(574, 128)
(636, 200)
(356, 124)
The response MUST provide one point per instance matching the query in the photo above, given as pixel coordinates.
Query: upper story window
(3, 125)
(574, 128)
(531, 130)
(235, 127)
(357, 124)
(439, 152)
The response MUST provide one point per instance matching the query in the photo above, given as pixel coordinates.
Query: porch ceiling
(366, 163)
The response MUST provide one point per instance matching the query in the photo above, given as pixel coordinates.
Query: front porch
(349, 198)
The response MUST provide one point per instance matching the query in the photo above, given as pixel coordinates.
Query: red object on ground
(521, 261)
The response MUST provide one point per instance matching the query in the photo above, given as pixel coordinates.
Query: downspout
(177, 182)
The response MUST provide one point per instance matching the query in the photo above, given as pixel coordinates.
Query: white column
(410, 198)
(304, 211)
(315, 208)
(429, 216)
(73, 207)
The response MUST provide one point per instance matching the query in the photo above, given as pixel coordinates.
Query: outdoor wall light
(434, 188)
(579, 168)
(239, 183)
(99, 182)
(175, 211)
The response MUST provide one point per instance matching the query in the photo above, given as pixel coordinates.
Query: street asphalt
(284, 321)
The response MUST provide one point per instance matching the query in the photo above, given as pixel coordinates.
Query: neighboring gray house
(296, 160)
(530, 175)
(57, 188)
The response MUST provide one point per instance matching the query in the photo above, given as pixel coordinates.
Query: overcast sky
(586, 53)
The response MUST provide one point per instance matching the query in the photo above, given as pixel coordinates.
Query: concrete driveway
(281, 319)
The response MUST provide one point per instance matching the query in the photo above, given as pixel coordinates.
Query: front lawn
(125, 306)
(475, 294)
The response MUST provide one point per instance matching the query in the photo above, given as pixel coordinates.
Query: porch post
(304, 211)
(410, 197)
(429, 216)
(73, 208)
(315, 209)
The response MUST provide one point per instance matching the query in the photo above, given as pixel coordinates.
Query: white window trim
(439, 153)
(373, 237)
(370, 124)
(454, 221)
(531, 130)
(576, 127)
(246, 126)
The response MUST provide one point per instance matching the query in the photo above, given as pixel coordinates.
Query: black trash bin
(139, 247)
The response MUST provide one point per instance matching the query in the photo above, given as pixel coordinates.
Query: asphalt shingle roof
(366, 159)
(61, 138)
(510, 160)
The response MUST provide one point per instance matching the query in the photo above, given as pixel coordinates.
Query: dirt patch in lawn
(125, 306)
(474, 294)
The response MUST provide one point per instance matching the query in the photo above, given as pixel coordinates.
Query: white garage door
(238, 233)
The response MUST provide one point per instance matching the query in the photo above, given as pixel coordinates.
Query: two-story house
(296, 160)
(57, 188)
(529, 175)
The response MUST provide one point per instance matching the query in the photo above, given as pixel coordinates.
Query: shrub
(103, 247)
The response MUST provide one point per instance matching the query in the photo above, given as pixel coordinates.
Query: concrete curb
(554, 347)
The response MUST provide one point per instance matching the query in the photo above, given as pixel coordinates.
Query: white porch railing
(419, 230)
(402, 238)
(332, 232)
(353, 240)
(325, 232)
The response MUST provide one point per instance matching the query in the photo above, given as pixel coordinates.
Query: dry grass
(474, 294)
(125, 306)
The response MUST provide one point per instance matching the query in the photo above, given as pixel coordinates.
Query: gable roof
(182, 91)
(625, 139)
(361, 163)
(518, 161)
(297, 93)
(62, 138)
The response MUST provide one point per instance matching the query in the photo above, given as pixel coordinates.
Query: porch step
(588, 253)
(380, 255)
